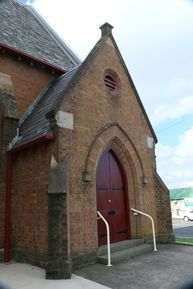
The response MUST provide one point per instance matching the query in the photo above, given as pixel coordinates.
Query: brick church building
(74, 139)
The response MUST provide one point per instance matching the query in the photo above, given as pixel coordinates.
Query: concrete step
(120, 246)
(126, 254)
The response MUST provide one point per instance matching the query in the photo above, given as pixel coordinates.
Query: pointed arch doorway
(112, 199)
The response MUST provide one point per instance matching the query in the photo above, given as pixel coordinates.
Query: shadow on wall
(187, 285)
(4, 286)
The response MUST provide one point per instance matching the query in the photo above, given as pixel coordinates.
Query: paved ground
(168, 268)
(182, 228)
(24, 276)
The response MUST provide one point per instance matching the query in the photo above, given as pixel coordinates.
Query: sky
(156, 42)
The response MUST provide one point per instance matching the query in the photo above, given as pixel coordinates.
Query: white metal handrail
(152, 222)
(108, 238)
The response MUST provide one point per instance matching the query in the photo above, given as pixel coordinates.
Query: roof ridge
(31, 108)
(25, 30)
(36, 101)
(18, 2)
(60, 42)
(34, 122)
(134, 87)
(82, 66)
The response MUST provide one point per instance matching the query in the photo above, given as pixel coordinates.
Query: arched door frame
(113, 136)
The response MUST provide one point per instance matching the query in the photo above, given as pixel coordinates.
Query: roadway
(182, 228)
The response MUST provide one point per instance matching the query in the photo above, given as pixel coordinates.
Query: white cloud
(173, 110)
(185, 148)
(175, 164)
(137, 22)
(179, 85)
(30, 2)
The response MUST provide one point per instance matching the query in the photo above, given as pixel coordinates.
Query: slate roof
(23, 29)
(34, 123)
(181, 193)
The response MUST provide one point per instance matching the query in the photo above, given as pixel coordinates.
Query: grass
(184, 240)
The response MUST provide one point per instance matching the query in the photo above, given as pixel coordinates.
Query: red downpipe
(7, 229)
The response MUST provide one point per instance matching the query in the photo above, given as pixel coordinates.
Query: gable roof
(34, 122)
(181, 193)
(106, 33)
(22, 28)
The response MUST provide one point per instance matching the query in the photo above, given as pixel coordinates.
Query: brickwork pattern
(30, 201)
(94, 108)
(101, 119)
(2, 212)
(59, 265)
(28, 81)
(23, 29)
(164, 219)
(7, 133)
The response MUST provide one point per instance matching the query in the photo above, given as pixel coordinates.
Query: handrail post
(152, 223)
(108, 239)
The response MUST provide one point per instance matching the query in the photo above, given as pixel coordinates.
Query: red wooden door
(111, 198)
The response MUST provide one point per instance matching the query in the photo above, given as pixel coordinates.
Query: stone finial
(106, 29)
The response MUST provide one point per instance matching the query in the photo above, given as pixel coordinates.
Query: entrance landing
(123, 250)
(168, 268)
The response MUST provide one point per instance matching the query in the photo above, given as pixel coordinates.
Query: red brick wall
(30, 203)
(164, 218)
(28, 81)
(94, 108)
(8, 129)
(2, 212)
(2, 188)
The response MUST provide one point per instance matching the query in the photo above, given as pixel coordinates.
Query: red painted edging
(23, 54)
(33, 142)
